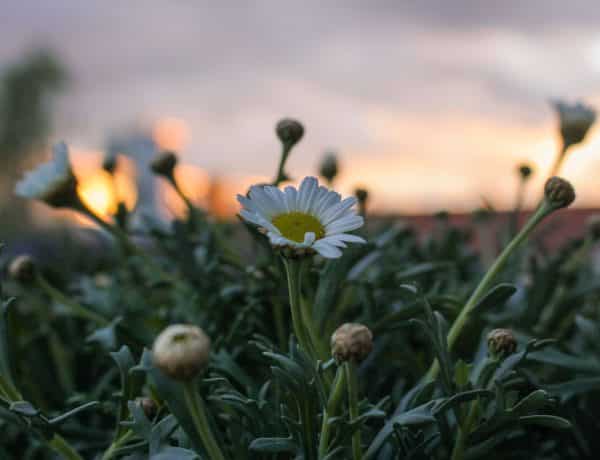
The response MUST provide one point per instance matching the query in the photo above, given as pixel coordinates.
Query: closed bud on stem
(164, 164)
(575, 121)
(109, 163)
(181, 351)
(525, 171)
(329, 167)
(148, 406)
(362, 195)
(289, 132)
(559, 193)
(351, 342)
(22, 269)
(501, 343)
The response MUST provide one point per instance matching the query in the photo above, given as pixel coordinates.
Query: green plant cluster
(78, 379)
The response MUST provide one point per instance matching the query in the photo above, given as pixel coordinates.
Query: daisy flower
(310, 218)
(52, 182)
(575, 121)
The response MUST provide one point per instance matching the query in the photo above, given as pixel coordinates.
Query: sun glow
(98, 189)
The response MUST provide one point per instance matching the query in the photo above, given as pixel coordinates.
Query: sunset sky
(430, 104)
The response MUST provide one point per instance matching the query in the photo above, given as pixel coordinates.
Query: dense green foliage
(75, 353)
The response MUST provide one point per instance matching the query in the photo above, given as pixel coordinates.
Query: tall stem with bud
(558, 194)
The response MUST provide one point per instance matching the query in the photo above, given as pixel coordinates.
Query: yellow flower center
(294, 225)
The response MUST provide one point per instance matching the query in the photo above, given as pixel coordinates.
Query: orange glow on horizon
(98, 189)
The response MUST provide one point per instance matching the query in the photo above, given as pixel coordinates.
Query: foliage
(75, 359)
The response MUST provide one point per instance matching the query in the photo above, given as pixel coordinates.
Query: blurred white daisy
(310, 218)
(52, 182)
(575, 121)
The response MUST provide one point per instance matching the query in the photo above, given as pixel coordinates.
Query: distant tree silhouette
(27, 91)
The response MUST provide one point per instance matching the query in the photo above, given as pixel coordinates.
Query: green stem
(8, 390)
(75, 308)
(294, 277)
(484, 285)
(284, 156)
(335, 398)
(117, 444)
(558, 161)
(198, 412)
(350, 370)
(279, 323)
(63, 448)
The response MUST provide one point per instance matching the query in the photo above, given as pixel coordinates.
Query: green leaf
(24, 408)
(496, 297)
(418, 416)
(422, 269)
(549, 421)
(274, 445)
(125, 363)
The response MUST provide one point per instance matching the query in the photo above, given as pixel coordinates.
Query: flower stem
(484, 285)
(63, 448)
(284, 156)
(75, 308)
(294, 277)
(198, 412)
(335, 397)
(111, 451)
(350, 371)
(558, 161)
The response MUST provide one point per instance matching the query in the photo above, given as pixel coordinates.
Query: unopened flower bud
(109, 163)
(351, 342)
(525, 171)
(593, 226)
(22, 269)
(362, 195)
(329, 167)
(575, 121)
(149, 407)
(164, 164)
(559, 192)
(289, 131)
(501, 343)
(181, 351)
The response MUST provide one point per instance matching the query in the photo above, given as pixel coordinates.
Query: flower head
(501, 343)
(525, 171)
(351, 341)
(289, 131)
(329, 166)
(559, 192)
(181, 351)
(164, 164)
(22, 268)
(53, 182)
(308, 219)
(575, 121)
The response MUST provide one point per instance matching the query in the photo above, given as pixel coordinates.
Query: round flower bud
(351, 342)
(181, 351)
(329, 167)
(148, 406)
(559, 192)
(361, 195)
(593, 226)
(289, 131)
(22, 268)
(525, 171)
(501, 343)
(164, 164)
(109, 163)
